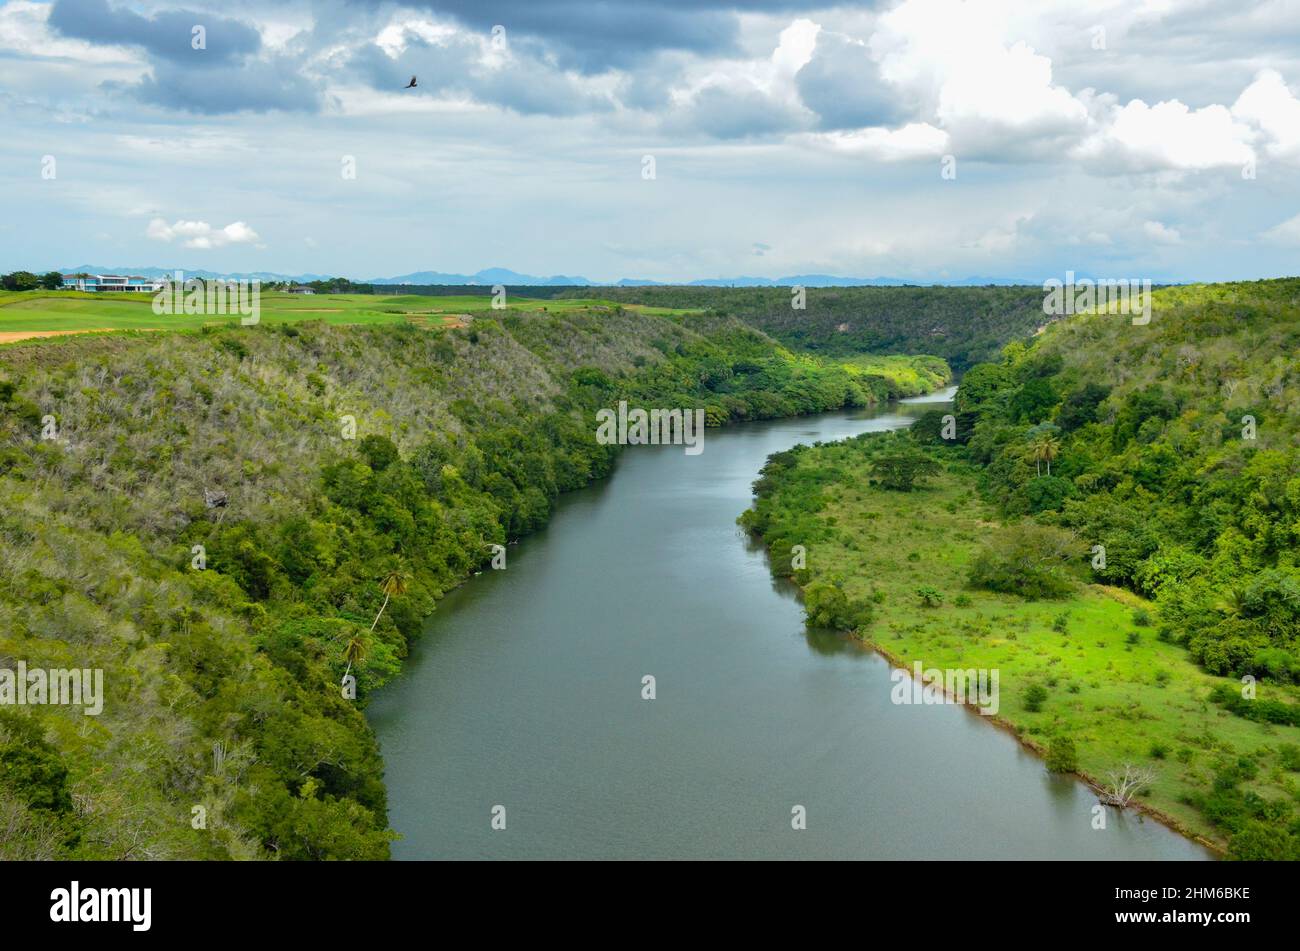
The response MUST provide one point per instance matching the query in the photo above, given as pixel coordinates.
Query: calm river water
(525, 692)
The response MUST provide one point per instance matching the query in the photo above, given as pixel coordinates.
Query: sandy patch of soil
(10, 336)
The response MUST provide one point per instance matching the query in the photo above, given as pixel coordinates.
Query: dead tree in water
(1123, 786)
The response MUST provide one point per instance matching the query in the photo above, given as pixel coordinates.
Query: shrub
(903, 471)
(930, 597)
(1026, 559)
(826, 605)
(1289, 756)
(1047, 493)
(1035, 697)
(1062, 757)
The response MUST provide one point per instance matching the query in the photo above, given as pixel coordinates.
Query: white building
(111, 282)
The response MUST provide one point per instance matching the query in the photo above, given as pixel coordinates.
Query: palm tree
(354, 652)
(1044, 447)
(394, 583)
(1233, 603)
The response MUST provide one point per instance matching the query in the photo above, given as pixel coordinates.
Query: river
(525, 692)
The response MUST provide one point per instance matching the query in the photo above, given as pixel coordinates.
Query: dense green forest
(228, 522)
(964, 325)
(1176, 447)
(1118, 511)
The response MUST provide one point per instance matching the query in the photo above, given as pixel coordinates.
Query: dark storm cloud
(596, 35)
(842, 84)
(167, 35)
(257, 86)
(222, 77)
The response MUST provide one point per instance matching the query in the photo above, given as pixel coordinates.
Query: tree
(1080, 407)
(826, 605)
(928, 427)
(1033, 400)
(903, 471)
(1035, 696)
(51, 280)
(20, 281)
(1123, 785)
(1027, 559)
(981, 384)
(378, 451)
(394, 583)
(1043, 447)
(355, 650)
(1062, 757)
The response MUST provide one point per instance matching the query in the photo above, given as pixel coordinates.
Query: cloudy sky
(665, 139)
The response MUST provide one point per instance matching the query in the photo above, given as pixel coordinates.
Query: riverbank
(228, 520)
(1088, 667)
(527, 691)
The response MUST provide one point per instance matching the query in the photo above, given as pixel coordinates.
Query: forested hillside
(1174, 445)
(228, 521)
(964, 325)
(1114, 523)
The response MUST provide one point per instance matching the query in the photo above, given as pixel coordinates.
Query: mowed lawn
(1121, 693)
(40, 312)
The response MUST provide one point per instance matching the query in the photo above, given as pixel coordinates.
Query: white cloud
(1288, 232)
(766, 84)
(795, 47)
(393, 38)
(200, 234)
(1161, 233)
(914, 140)
(1270, 105)
(991, 95)
(1044, 128)
(1168, 135)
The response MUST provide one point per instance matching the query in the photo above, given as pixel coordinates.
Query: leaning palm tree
(355, 651)
(394, 583)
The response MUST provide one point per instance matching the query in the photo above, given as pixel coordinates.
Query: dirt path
(10, 336)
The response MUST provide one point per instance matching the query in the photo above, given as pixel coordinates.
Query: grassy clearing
(46, 311)
(914, 375)
(1120, 693)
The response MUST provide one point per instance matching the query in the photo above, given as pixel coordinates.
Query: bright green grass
(46, 310)
(1103, 691)
(912, 375)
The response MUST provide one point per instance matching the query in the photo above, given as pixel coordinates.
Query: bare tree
(1121, 787)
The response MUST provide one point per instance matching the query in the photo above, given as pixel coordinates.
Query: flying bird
(411, 84)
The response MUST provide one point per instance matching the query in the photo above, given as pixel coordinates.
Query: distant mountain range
(190, 272)
(499, 275)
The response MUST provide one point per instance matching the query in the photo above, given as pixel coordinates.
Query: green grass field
(1121, 694)
(914, 375)
(70, 311)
